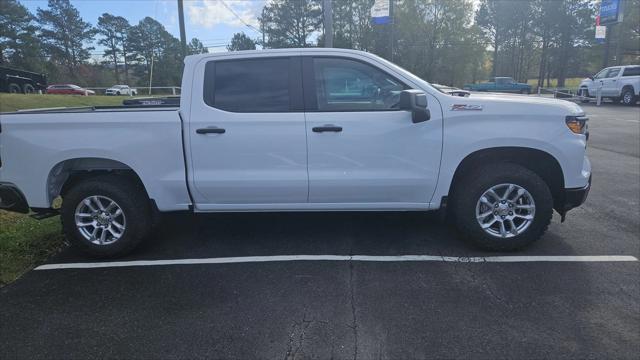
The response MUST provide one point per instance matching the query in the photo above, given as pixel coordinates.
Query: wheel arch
(68, 172)
(538, 161)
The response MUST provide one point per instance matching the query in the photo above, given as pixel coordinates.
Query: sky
(212, 21)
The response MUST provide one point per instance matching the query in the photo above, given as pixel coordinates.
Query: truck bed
(147, 139)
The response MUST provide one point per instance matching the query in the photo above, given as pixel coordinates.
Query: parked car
(121, 90)
(618, 83)
(68, 89)
(451, 90)
(500, 84)
(350, 132)
(17, 81)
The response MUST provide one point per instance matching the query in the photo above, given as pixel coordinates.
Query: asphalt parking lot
(350, 309)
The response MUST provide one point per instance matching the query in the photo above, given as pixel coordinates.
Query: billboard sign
(610, 12)
(380, 12)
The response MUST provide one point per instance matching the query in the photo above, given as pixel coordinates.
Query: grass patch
(569, 83)
(13, 102)
(25, 242)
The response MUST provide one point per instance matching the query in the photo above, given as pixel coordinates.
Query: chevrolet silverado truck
(298, 130)
(500, 84)
(618, 83)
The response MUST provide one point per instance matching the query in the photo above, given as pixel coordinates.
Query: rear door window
(632, 71)
(252, 85)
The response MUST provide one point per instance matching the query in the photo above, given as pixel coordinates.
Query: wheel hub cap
(100, 220)
(505, 210)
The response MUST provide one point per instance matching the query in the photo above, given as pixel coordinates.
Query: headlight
(577, 124)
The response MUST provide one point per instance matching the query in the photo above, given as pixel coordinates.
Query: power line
(240, 18)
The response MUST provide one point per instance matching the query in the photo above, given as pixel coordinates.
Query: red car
(68, 89)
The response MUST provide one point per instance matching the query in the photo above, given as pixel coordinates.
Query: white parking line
(369, 258)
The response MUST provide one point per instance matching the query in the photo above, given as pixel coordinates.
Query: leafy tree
(114, 30)
(494, 18)
(196, 47)
(240, 41)
(289, 23)
(352, 24)
(64, 34)
(158, 51)
(19, 46)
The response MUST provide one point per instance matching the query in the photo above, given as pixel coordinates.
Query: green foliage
(240, 41)
(196, 47)
(65, 34)
(290, 23)
(158, 51)
(114, 31)
(18, 44)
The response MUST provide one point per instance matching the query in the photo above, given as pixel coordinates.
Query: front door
(610, 83)
(247, 135)
(362, 148)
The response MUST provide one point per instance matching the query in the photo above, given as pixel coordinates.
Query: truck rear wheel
(502, 207)
(14, 89)
(106, 216)
(628, 97)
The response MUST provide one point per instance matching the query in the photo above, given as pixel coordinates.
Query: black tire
(28, 89)
(585, 94)
(118, 93)
(628, 97)
(469, 190)
(525, 91)
(129, 196)
(14, 89)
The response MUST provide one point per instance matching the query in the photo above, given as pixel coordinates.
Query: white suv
(121, 90)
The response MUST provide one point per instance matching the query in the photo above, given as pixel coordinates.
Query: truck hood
(511, 103)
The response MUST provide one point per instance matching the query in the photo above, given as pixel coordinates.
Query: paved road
(347, 309)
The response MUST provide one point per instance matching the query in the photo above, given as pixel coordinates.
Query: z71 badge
(462, 107)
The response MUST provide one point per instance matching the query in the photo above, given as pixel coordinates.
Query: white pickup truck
(299, 130)
(618, 83)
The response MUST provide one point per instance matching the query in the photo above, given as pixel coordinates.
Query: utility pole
(183, 36)
(328, 23)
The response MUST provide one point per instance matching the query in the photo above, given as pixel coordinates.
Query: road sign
(380, 12)
(610, 11)
(601, 33)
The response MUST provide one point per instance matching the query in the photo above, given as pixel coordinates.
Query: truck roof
(287, 51)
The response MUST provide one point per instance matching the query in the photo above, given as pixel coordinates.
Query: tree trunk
(495, 56)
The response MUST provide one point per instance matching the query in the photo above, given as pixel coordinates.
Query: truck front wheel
(502, 207)
(106, 216)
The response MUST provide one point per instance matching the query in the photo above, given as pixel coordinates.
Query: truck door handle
(211, 130)
(327, 128)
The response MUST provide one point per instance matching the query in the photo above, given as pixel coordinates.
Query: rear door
(363, 151)
(247, 135)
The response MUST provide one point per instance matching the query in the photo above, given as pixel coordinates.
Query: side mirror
(591, 77)
(416, 102)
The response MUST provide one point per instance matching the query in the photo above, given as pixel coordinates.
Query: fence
(568, 94)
